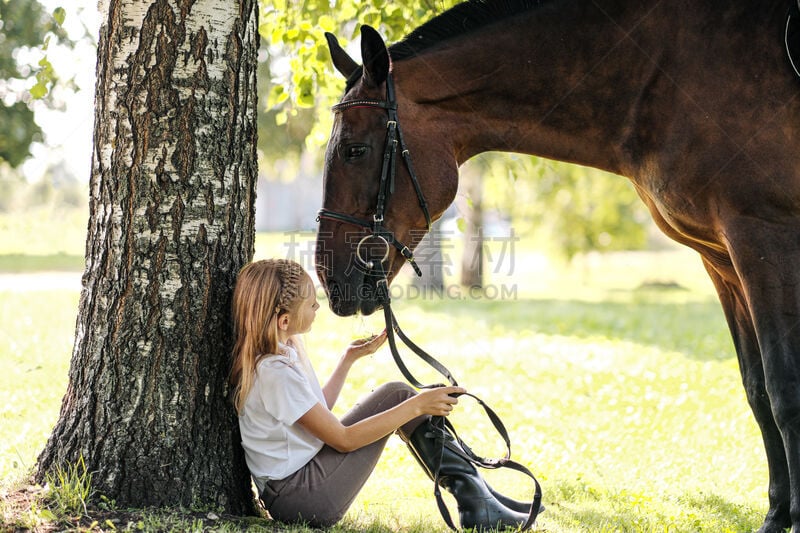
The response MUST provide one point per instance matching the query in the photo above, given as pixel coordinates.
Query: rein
(394, 138)
(446, 435)
(445, 432)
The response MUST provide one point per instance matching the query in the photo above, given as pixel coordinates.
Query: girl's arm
(320, 422)
(354, 351)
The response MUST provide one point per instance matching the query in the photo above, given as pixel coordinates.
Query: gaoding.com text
(410, 292)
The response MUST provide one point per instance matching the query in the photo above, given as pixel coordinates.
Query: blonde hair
(264, 290)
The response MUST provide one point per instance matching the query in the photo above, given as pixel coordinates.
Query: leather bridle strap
(394, 138)
(388, 236)
(445, 433)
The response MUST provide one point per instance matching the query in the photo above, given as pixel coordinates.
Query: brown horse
(693, 100)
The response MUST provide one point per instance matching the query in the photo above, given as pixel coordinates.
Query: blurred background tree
(26, 32)
(568, 210)
(573, 209)
(579, 209)
(293, 32)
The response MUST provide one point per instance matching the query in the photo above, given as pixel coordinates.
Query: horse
(693, 101)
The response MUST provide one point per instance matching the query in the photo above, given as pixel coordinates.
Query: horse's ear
(375, 57)
(341, 60)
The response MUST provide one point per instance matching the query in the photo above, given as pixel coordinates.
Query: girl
(308, 465)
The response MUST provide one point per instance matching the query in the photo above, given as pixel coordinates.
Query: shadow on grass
(694, 328)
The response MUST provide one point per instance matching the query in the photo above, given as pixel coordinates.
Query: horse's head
(375, 207)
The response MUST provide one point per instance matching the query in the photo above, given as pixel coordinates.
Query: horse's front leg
(752, 371)
(766, 255)
(782, 372)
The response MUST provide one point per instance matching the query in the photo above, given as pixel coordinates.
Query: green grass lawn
(43, 239)
(616, 378)
(629, 408)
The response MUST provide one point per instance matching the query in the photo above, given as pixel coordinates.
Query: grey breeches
(320, 493)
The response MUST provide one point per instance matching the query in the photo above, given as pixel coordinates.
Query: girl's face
(306, 310)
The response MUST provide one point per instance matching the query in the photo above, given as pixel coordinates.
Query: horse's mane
(459, 20)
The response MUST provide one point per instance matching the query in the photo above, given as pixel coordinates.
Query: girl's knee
(399, 388)
(380, 399)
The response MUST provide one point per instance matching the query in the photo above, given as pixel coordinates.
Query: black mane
(459, 20)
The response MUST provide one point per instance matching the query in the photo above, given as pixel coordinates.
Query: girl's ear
(283, 321)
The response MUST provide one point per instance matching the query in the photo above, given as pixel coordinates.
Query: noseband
(394, 136)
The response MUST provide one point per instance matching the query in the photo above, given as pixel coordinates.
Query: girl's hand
(366, 346)
(438, 401)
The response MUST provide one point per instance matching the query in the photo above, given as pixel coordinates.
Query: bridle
(445, 433)
(394, 136)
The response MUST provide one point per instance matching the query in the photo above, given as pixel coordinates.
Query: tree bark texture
(171, 222)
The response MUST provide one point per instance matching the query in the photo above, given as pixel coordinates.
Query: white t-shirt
(274, 446)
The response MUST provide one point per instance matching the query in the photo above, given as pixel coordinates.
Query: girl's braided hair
(264, 291)
(289, 274)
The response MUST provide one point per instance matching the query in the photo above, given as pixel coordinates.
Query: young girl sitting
(307, 464)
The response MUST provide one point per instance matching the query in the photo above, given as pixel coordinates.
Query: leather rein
(446, 435)
(443, 431)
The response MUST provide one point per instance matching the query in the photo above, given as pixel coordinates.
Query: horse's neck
(559, 83)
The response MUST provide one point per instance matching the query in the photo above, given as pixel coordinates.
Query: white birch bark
(171, 222)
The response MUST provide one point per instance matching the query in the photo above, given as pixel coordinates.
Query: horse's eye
(355, 151)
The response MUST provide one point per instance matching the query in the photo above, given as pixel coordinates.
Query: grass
(18, 263)
(616, 378)
(70, 489)
(44, 238)
(631, 413)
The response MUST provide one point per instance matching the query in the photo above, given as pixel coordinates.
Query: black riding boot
(479, 506)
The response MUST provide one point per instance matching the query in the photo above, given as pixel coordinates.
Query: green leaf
(39, 90)
(305, 91)
(59, 14)
(277, 95)
(326, 23)
(305, 99)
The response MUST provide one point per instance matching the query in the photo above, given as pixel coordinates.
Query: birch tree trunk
(171, 222)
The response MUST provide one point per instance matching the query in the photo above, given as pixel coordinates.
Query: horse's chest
(678, 208)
